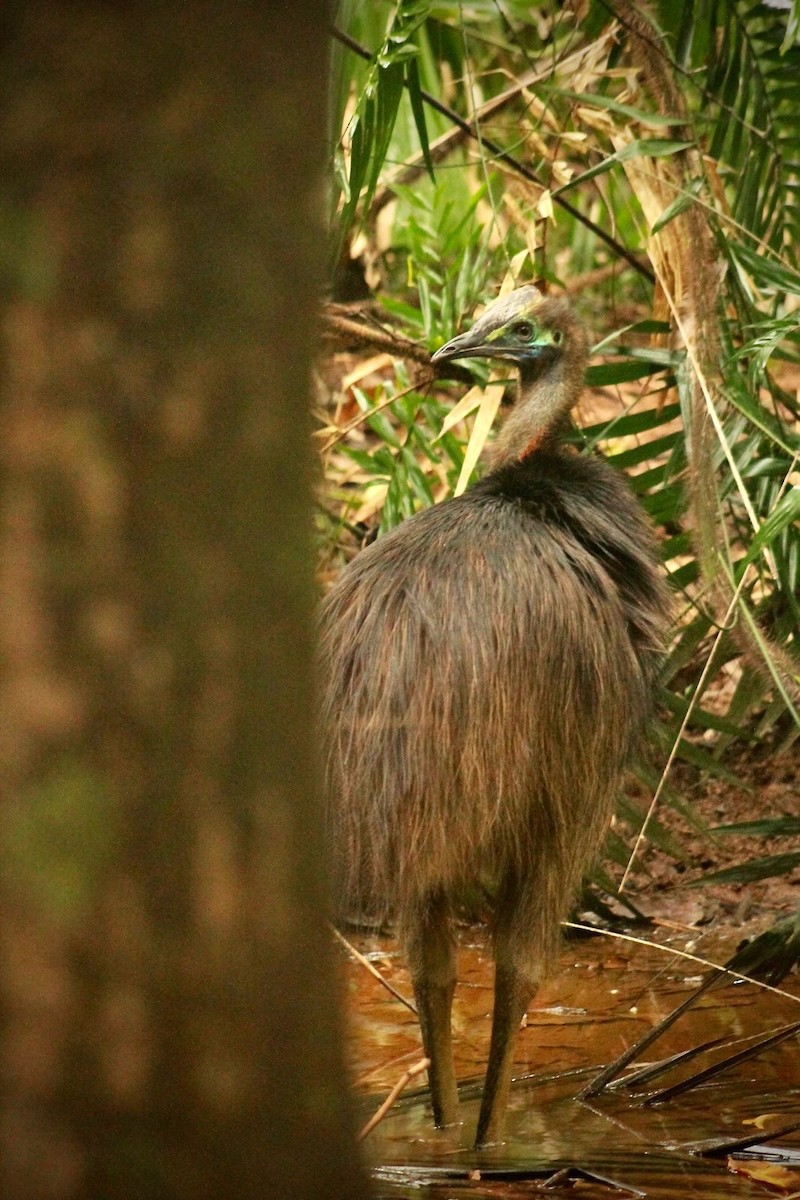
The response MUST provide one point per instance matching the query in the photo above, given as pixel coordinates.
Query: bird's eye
(523, 329)
(558, 337)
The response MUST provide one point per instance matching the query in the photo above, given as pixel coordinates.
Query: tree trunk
(168, 1027)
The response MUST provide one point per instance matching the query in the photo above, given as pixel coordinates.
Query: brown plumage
(489, 667)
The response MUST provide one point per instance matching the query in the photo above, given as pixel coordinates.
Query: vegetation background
(645, 160)
(161, 250)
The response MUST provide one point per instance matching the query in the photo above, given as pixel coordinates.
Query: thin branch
(344, 329)
(674, 952)
(519, 168)
(367, 965)
(416, 166)
(695, 700)
(365, 416)
(402, 1082)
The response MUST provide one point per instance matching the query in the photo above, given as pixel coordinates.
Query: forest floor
(766, 785)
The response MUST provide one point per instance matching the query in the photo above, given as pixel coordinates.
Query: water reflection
(605, 996)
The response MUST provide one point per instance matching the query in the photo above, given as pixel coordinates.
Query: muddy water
(605, 995)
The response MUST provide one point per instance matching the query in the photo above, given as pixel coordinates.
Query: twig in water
(367, 965)
(402, 1082)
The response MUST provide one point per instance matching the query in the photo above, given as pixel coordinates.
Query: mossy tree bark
(167, 1021)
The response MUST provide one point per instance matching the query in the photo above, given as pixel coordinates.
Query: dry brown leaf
(762, 1121)
(772, 1175)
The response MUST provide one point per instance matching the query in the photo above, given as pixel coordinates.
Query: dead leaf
(763, 1121)
(772, 1175)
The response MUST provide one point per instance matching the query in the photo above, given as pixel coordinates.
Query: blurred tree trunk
(168, 1026)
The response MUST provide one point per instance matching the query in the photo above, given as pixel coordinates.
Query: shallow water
(604, 997)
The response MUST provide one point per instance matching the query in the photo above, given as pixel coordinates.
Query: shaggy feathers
(488, 677)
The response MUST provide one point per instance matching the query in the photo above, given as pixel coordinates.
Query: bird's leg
(432, 959)
(515, 985)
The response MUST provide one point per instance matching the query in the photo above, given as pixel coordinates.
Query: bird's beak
(467, 345)
(462, 346)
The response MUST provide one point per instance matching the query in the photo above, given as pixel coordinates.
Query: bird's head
(544, 339)
(523, 327)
